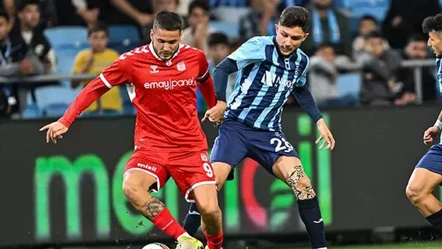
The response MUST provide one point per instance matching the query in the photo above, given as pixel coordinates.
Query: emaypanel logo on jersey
(169, 84)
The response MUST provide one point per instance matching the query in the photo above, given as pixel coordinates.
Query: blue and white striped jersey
(439, 74)
(264, 82)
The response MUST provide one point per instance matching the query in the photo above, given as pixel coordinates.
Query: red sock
(165, 221)
(214, 241)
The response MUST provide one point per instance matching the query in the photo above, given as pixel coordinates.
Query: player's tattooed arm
(293, 179)
(153, 207)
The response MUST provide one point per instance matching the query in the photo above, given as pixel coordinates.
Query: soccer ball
(155, 246)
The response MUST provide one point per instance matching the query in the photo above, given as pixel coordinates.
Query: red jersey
(163, 93)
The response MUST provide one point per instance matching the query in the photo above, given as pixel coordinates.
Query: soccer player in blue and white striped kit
(428, 172)
(270, 68)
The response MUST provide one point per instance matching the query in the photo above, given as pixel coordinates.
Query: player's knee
(415, 193)
(133, 190)
(303, 183)
(209, 209)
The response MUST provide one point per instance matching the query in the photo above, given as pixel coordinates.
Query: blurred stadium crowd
(356, 48)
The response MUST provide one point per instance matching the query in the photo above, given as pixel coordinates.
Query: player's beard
(161, 55)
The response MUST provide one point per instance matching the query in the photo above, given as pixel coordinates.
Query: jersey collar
(158, 57)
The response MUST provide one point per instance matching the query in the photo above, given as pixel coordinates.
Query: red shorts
(188, 169)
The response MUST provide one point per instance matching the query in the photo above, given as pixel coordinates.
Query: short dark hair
(295, 17)
(368, 18)
(432, 23)
(374, 34)
(168, 20)
(23, 4)
(99, 26)
(416, 38)
(4, 15)
(198, 4)
(217, 38)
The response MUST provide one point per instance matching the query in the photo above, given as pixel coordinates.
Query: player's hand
(216, 113)
(326, 135)
(55, 131)
(430, 134)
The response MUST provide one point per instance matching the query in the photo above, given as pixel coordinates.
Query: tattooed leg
(300, 184)
(152, 208)
(135, 187)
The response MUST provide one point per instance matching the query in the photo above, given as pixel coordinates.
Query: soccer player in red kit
(169, 141)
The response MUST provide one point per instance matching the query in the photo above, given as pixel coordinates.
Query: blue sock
(311, 216)
(193, 220)
(436, 220)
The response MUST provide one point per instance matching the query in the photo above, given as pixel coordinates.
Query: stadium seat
(54, 95)
(61, 36)
(55, 109)
(32, 111)
(349, 84)
(228, 28)
(123, 38)
(120, 33)
(376, 8)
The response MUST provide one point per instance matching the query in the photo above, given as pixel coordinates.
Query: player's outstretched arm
(110, 77)
(434, 131)
(307, 102)
(221, 77)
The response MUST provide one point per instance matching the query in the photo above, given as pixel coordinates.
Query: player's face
(98, 41)
(30, 16)
(435, 42)
(165, 42)
(289, 39)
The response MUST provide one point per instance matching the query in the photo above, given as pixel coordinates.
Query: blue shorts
(432, 160)
(237, 141)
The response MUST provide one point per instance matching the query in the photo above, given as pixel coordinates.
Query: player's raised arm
(109, 78)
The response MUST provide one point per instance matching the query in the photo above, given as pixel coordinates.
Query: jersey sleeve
(250, 52)
(203, 73)
(205, 81)
(303, 79)
(112, 76)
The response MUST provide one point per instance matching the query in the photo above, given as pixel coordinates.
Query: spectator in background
(134, 12)
(261, 20)
(159, 5)
(93, 61)
(367, 24)
(88, 13)
(416, 49)
(405, 17)
(29, 16)
(219, 49)
(16, 60)
(328, 25)
(379, 68)
(231, 10)
(323, 72)
(198, 31)
(48, 14)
